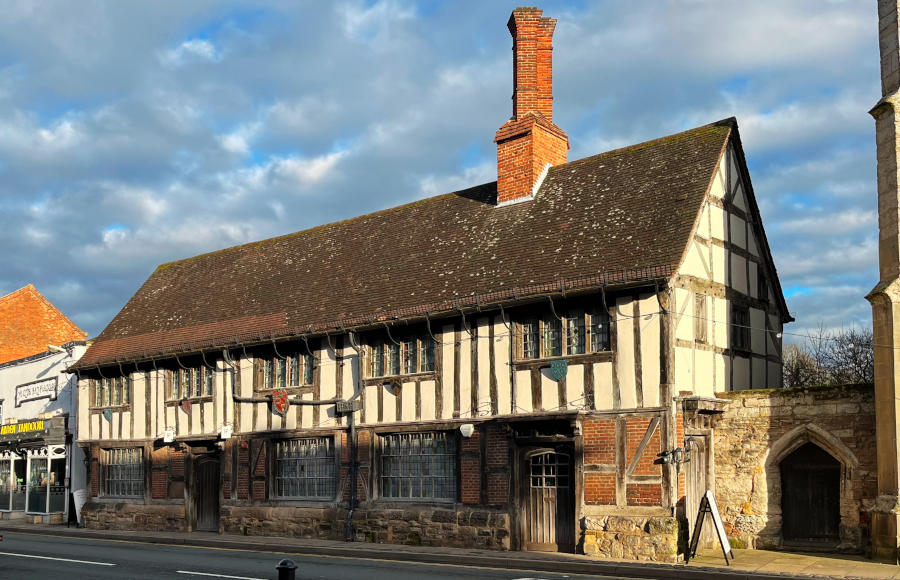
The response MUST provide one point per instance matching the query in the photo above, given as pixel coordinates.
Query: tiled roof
(29, 322)
(616, 217)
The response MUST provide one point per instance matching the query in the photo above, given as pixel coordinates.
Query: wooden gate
(206, 494)
(698, 481)
(549, 497)
(810, 495)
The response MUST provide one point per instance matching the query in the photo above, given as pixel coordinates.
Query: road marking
(57, 559)
(217, 575)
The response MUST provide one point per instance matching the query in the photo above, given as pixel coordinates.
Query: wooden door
(206, 494)
(697, 482)
(549, 499)
(810, 495)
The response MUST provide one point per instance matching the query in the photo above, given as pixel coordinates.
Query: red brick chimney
(529, 142)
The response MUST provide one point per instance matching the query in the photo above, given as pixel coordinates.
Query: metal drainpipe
(351, 424)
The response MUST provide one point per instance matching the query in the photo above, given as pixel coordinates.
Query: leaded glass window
(123, 472)
(419, 466)
(305, 468)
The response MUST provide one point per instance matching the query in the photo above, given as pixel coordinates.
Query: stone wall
(652, 539)
(465, 527)
(759, 428)
(129, 516)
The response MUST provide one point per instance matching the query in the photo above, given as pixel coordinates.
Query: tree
(830, 358)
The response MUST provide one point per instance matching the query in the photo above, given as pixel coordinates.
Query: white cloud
(190, 51)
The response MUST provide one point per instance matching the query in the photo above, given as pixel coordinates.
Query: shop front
(34, 468)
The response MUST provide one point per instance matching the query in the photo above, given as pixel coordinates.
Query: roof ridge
(730, 122)
(22, 289)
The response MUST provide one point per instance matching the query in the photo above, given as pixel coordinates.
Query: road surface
(33, 556)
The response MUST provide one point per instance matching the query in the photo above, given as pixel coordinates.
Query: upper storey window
(407, 355)
(570, 333)
(112, 391)
(292, 370)
(191, 382)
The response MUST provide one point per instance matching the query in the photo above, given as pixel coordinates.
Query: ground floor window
(35, 483)
(418, 466)
(305, 468)
(122, 472)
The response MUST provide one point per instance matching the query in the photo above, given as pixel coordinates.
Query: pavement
(747, 564)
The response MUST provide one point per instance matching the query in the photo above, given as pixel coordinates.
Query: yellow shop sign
(26, 427)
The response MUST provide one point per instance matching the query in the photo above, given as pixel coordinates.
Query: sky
(136, 133)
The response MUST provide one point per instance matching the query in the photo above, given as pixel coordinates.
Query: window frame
(388, 359)
(701, 317)
(111, 392)
(279, 372)
(535, 341)
(322, 463)
(138, 472)
(740, 327)
(190, 383)
(449, 476)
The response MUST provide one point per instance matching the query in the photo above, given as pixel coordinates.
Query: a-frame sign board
(708, 506)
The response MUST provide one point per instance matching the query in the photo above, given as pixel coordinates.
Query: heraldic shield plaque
(280, 403)
(558, 369)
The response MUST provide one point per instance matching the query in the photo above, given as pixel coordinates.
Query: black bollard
(286, 569)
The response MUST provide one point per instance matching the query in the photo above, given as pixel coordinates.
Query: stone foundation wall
(759, 428)
(652, 539)
(466, 527)
(128, 516)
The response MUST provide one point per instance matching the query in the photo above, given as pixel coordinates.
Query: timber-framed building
(518, 365)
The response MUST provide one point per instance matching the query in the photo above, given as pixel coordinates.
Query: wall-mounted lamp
(466, 430)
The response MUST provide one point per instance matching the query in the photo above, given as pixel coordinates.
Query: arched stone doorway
(828, 459)
(810, 496)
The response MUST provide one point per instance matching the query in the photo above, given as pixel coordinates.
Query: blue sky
(133, 134)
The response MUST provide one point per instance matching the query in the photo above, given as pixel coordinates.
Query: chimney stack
(885, 297)
(529, 143)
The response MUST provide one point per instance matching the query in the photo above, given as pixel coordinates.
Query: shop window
(418, 466)
(572, 333)
(190, 382)
(122, 472)
(294, 370)
(112, 391)
(407, 355)
(304, 468)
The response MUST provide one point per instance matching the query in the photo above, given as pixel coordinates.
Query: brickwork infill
(756, 426)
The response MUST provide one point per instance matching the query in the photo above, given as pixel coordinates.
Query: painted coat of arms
(558, 369)
(280, 403)
(186, 406)
(107, 414)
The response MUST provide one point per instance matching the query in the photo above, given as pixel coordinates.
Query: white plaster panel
(501, 358)
(683, 308)
(753, 244)
(775, 378)
(388, 404)
(695, 261)
(603, 399)
(649, 324)
(741, 380)
(484, 366)
(735, 175)
(738, 232)
(721, 374)
(575, 387)
(757, 331)
(760, 381)
(716, 222)
(465, 374)
(718, 187)
(523, 392)
(740, 198)
(718, 327)
(306, 413)
(703, 222)
(752, 283)
(408, 402)
(370, 399)
(719, 265)
(428, 399)
(625, 352)
(447, 338)
(684, 378)
(738, 273)
(703, 373)
(549, 391)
